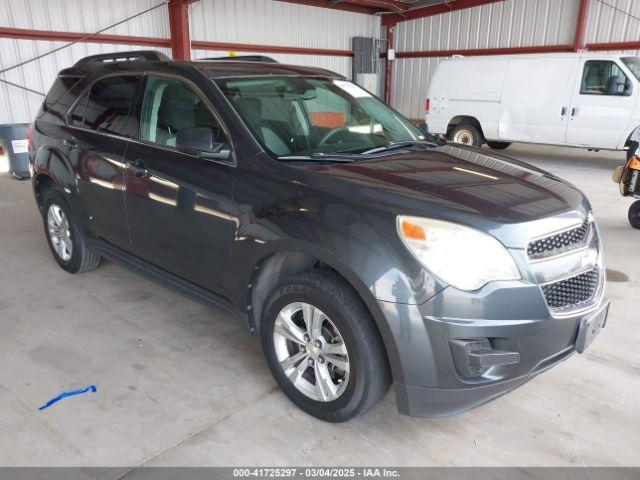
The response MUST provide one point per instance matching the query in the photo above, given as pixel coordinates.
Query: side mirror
(200, 141)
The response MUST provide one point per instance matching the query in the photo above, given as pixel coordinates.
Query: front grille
(567, 240)
(571, 292)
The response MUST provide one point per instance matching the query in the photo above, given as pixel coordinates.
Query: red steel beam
(179, 29)
(54, 36)
(336, 6)
(580, 25)
(486, 51)
(599, 47)
(447, 6)
(380, 4)
(246, 47)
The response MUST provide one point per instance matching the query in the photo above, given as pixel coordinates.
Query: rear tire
(301, 352)
(66, 241)
(467, 134)
(634, 214)
(498, 145)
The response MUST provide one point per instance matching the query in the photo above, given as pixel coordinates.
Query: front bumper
(429, 381)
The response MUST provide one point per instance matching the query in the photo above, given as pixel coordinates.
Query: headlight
(461, 256)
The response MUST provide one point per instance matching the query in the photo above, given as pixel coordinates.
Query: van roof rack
(244, 58)
(131, 56)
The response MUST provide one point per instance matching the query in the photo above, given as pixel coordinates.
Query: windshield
(294, 116)
(633, 63)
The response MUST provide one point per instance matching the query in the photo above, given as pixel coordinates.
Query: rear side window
(60, 97)
(106, 106)
(603, 77)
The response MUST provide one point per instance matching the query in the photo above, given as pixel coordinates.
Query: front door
(603, 103)
(179, 205)
(99, 127)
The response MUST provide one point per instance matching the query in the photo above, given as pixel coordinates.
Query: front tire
(323, 347)
(467, 134)
(634, 214)
(67, 243)
(498, 145)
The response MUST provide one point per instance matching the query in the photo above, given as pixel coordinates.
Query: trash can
(14, 136)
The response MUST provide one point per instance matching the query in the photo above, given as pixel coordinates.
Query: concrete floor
(179, 384)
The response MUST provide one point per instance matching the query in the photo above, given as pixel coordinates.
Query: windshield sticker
(352, 89)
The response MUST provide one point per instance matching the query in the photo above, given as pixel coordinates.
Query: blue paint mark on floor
(73, 393)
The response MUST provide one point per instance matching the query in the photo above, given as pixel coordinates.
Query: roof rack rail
(131, 56)
(244, 58)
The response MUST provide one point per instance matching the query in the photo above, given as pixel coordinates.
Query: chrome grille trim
(561, 242)
(572, 293)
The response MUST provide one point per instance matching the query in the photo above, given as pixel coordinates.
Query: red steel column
(179, 28)
(388, 74)
(578, 41)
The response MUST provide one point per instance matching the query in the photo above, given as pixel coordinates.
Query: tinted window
(170, 106)
(108, 105)
(60, 97)
(602, 77)
(76, 116)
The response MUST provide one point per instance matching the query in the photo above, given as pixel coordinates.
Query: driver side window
(603, 77)
(170, 106)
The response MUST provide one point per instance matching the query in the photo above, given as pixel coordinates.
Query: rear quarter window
(62, 94)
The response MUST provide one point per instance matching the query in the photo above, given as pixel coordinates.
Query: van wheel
(634, 214)
(66, 241)
(323, 347)
(498, 145)
(467, 134)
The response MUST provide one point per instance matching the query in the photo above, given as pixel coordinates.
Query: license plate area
(589, 328)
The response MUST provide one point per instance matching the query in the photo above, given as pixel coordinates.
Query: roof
(545, 55)
(234, 68)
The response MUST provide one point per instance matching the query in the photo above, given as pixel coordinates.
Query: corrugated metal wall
(261, 22)
(17, 105)
(237, 21)
(512, 23)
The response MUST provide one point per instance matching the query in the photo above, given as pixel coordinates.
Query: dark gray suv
(362, 250)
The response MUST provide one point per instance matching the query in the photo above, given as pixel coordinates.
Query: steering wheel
(330, 134)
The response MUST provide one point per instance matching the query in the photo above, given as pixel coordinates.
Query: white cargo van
(576, 99)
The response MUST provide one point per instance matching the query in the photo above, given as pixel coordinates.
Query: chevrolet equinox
(361, 250)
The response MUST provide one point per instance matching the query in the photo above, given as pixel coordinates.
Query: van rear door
(535, 99)
(604, 97)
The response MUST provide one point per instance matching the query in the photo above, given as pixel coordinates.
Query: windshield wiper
(400, 144)
(318, 157)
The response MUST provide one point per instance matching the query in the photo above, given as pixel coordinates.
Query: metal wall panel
(512, 23)
(607, 24)
(236, 21)
(265, 22)
(17, 105)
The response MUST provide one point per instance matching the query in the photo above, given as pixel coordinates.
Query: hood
(457, 183)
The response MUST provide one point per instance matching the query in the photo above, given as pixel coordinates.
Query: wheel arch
(460, 119)
(272, 268)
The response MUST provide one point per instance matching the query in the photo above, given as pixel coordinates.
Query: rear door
(99, 127)
(603, 102)
(179, 205)
(535, 99)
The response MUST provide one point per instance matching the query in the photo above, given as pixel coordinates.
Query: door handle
(69, 143)
(574, 111)
(563, 111)
(138, 168)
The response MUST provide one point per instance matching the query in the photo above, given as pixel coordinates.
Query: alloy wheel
(311, 352)
(60, 232)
